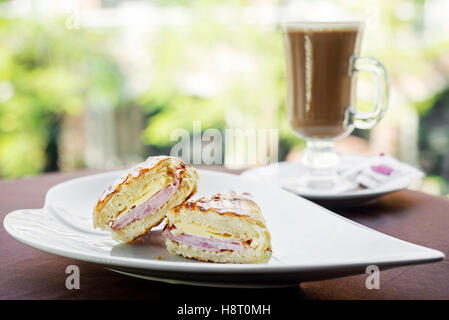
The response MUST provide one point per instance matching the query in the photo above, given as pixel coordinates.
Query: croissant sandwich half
(226, 228)
(141, 198)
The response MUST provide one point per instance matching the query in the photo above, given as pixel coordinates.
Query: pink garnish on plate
(382, 169)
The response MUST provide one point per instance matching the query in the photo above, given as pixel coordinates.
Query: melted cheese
(261, 240)
(195, 229)
(151, 189)
(154, 187)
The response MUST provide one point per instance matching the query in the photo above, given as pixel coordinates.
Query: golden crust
(133, 174)
(140, 183)
(230, 204)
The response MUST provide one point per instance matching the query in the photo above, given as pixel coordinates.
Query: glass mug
(322, 65)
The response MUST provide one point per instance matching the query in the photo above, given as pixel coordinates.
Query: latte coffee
(320, 80)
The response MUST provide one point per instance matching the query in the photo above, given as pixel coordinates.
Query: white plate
(278, 172)
(309, 242)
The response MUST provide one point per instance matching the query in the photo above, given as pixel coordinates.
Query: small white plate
(279, 172)
(309, 242)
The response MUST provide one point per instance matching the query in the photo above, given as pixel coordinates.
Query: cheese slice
(154, 187)
(195, 229)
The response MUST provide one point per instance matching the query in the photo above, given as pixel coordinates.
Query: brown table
(27, 273)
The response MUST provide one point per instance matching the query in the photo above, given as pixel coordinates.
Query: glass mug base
(318, 183)
(320, 175)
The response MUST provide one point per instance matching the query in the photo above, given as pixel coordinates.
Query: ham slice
(204, 243)
(148, 207)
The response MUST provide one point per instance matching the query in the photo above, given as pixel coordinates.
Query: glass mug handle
(367, 120)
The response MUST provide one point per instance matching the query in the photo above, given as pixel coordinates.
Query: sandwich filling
(204, 243)
(141, 211)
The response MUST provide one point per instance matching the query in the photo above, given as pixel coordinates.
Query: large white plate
(277, 173)
(309, 242)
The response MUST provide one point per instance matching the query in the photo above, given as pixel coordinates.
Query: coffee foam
(322, 26)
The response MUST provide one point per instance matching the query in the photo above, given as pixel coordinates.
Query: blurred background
(103, 84)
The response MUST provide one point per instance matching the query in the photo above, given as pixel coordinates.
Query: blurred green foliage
(226, 75)
(47, 70)
(249, 94)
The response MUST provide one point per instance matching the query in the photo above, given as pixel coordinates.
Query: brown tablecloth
(27, 273)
